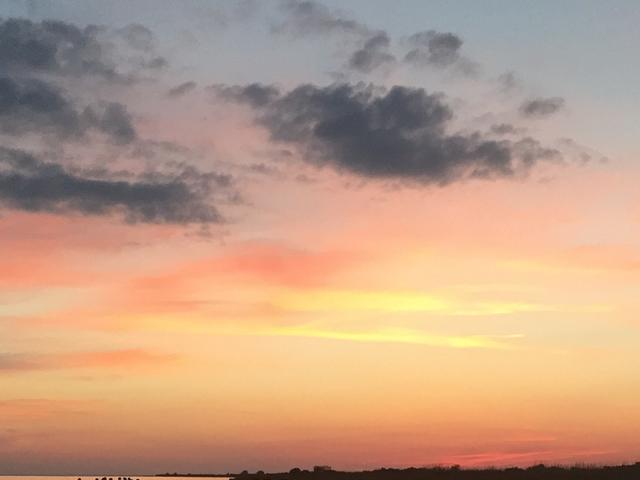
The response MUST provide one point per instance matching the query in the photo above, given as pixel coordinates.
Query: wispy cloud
(394, 335)
(541, 107)
(108, 359)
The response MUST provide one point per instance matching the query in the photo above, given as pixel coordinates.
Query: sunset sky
(267, 234)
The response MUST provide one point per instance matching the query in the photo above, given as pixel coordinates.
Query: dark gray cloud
(580, 153)
(427, 48)
(307, 17)
(506, 129)
(29, 183)
(63, 48)
(112, 119)
(263, 169)
(35, 106)
(255, 94)
(509, 82)
(373, 54)
(36, 58)
(529, 151)
(434, 48)
(400, 133)
(52, 46)
(541, 107)
(182, 89)
(304, 18)
(155, 63)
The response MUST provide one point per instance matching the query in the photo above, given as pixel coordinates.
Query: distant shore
(535, 472)
(199, 475)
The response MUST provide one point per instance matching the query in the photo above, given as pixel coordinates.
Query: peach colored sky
(332, 317)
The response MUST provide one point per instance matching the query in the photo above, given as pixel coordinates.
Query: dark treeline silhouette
(537, 472)
(198, 475)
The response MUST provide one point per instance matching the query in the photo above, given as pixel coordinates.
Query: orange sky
(459, 338)
(333, 317)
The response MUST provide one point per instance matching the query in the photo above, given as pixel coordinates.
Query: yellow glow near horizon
(346, 300)
(407, 336)
(332, 300)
